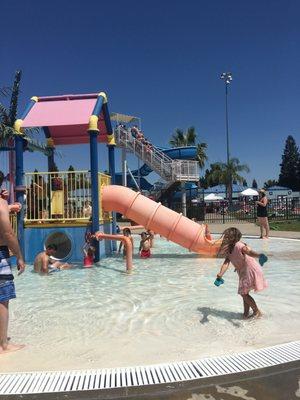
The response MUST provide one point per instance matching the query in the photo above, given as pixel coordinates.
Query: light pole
(227, 78)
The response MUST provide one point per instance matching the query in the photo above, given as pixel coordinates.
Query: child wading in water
(89, 256)
(126, 232)
(151, 237)
(145, 245)
(249, 271)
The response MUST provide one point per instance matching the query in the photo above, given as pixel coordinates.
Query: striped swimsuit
(7, 287)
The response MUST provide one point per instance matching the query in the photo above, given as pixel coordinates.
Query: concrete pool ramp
(252, 230)
(271, 373)
(245, 228)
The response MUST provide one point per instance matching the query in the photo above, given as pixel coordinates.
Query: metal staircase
(163, 194)
(170, 170)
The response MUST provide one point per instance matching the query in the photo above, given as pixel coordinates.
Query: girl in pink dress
(248, 269)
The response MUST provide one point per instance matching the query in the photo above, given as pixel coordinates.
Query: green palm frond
(7, 135)
(34, 145)
(177, 139)
(5, 91)
(8, 117)
(201, 154)
(4, 114)
(227, 173)
(32, 132)
(6, 131)
(13, 107)
(190, 136)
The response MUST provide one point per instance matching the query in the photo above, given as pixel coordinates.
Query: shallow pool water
(167, 310)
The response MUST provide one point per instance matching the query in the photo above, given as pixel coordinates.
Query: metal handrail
(166, 167)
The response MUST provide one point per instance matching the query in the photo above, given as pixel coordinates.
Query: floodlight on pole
(227, 78)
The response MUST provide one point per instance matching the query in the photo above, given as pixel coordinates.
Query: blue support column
(50, 148)
(93, 132)
(95, 186)
(112, 172)
(20, 188)
(110, 135)
(50, 158)
(111, 161)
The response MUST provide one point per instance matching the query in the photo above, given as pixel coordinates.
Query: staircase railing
(163, 165)
(152, 156)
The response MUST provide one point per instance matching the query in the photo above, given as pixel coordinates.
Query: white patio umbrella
(213, 197)
(249, 192)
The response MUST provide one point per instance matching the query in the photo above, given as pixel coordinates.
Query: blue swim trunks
(7, 291)
(7, 287)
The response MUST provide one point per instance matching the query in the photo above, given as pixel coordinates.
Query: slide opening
(63, 243)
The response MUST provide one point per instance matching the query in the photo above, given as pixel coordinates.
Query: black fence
(239, 211)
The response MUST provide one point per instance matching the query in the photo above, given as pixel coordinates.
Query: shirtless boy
(126, 232)
(43, 264)
(8, 241)
(145, 245)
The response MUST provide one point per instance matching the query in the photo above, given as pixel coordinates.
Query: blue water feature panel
(69, 241)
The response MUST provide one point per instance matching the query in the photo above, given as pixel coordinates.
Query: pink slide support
(171, 225)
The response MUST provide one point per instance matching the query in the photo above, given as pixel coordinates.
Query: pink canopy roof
(66, 117)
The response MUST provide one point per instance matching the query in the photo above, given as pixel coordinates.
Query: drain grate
(66, 381)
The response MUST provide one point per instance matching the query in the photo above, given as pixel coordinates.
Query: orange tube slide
(127, 244)
(171, 225)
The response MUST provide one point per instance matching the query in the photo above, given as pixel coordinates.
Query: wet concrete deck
(281, 382)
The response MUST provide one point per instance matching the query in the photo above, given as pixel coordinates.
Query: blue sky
(161, 61)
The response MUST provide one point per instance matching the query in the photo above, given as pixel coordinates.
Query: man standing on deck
(8, 241)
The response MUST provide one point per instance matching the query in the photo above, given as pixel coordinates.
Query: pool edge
(161, 378)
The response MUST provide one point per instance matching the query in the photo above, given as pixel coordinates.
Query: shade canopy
(65, 119)
(213, 197)
(123, 118)
(249, 192)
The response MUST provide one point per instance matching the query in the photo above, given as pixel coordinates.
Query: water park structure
(54, 201)
(65, 120)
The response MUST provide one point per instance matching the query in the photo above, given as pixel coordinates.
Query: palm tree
(8, 117)
(269, 183)
(188, 138)
(178, 138)
(227, 173)
(201, 154)
(191, 136)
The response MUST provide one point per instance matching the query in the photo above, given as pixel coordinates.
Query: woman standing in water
(262, 214)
